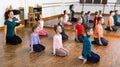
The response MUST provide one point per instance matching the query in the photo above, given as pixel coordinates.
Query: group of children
(80, 27)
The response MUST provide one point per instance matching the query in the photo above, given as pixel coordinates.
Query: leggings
(114, 28)
(61, 52)
(81, 38)
(92, 57)
(38, 47)
(103, 40)
(13, 40)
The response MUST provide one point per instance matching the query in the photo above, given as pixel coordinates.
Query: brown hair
(34, 27)
(79, 18)
(55, 27)
(6, 14)
(88, 29)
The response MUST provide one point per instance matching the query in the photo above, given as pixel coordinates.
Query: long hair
(6, 14)
(71, 6)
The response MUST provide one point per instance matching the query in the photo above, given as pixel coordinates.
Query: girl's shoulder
(57, 36)
(33, 35)
(41, 21)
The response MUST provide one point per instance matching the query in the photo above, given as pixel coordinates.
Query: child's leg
(96, 41)
(104, 41)
(67, 52)
(42, 47)
(43, 33)
(13, 40)
(74, 19)
(117, 24)
(81, 38)
(107, 28)
(19, 40)
(64, 36)
(91, 21)
(67, 23)
(92, 57)
(60, 52)
(114, 28)
(38, 48)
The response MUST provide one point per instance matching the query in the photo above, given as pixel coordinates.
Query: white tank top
(41, 24)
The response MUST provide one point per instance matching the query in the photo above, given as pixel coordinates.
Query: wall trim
(52, 3)
(55, 16)
(50, 6)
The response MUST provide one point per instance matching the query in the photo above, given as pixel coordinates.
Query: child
(83, 19)
(9, 30)
(79, 31)
(111, 26)
(87, 54)
(73, 19)
(100, 13)
(98, 37)
(95, 19)
(57, 43)
(42, 32)
(88, 17)
(116, 18)
(64, 36)
(35, 44)
(66, 18)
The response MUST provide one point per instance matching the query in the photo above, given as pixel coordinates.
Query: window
(97, 1)
(104, 1)
(81, 1)
(88, 1)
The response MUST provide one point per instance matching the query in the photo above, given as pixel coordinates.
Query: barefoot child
(66, 18)
(95, 19)
(111, 26)
(87, 54)
(116, 18)
(79, 31)
(98, 36)
(58, 48)
(42, 32)
(64, 35)
(35, 44)
(88, 17)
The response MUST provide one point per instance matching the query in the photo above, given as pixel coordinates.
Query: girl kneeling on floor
(42, 32)
(58, 48)
(35, 43)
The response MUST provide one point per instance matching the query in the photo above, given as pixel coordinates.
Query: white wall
(4, 4)
(33, 3)
(53, 7)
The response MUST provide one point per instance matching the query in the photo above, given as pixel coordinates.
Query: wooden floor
(19, 56)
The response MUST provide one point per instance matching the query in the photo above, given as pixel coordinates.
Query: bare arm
(109, 23)
(98, 32)
(76, 35)
(54, 46)
(5, 31)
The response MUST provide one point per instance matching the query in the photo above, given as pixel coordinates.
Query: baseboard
(52, 17)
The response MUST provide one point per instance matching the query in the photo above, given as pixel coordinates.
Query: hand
(76, 39)
(111, 29)
(100, 43)
(84, 61)
(31, 51)
(54, 54)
